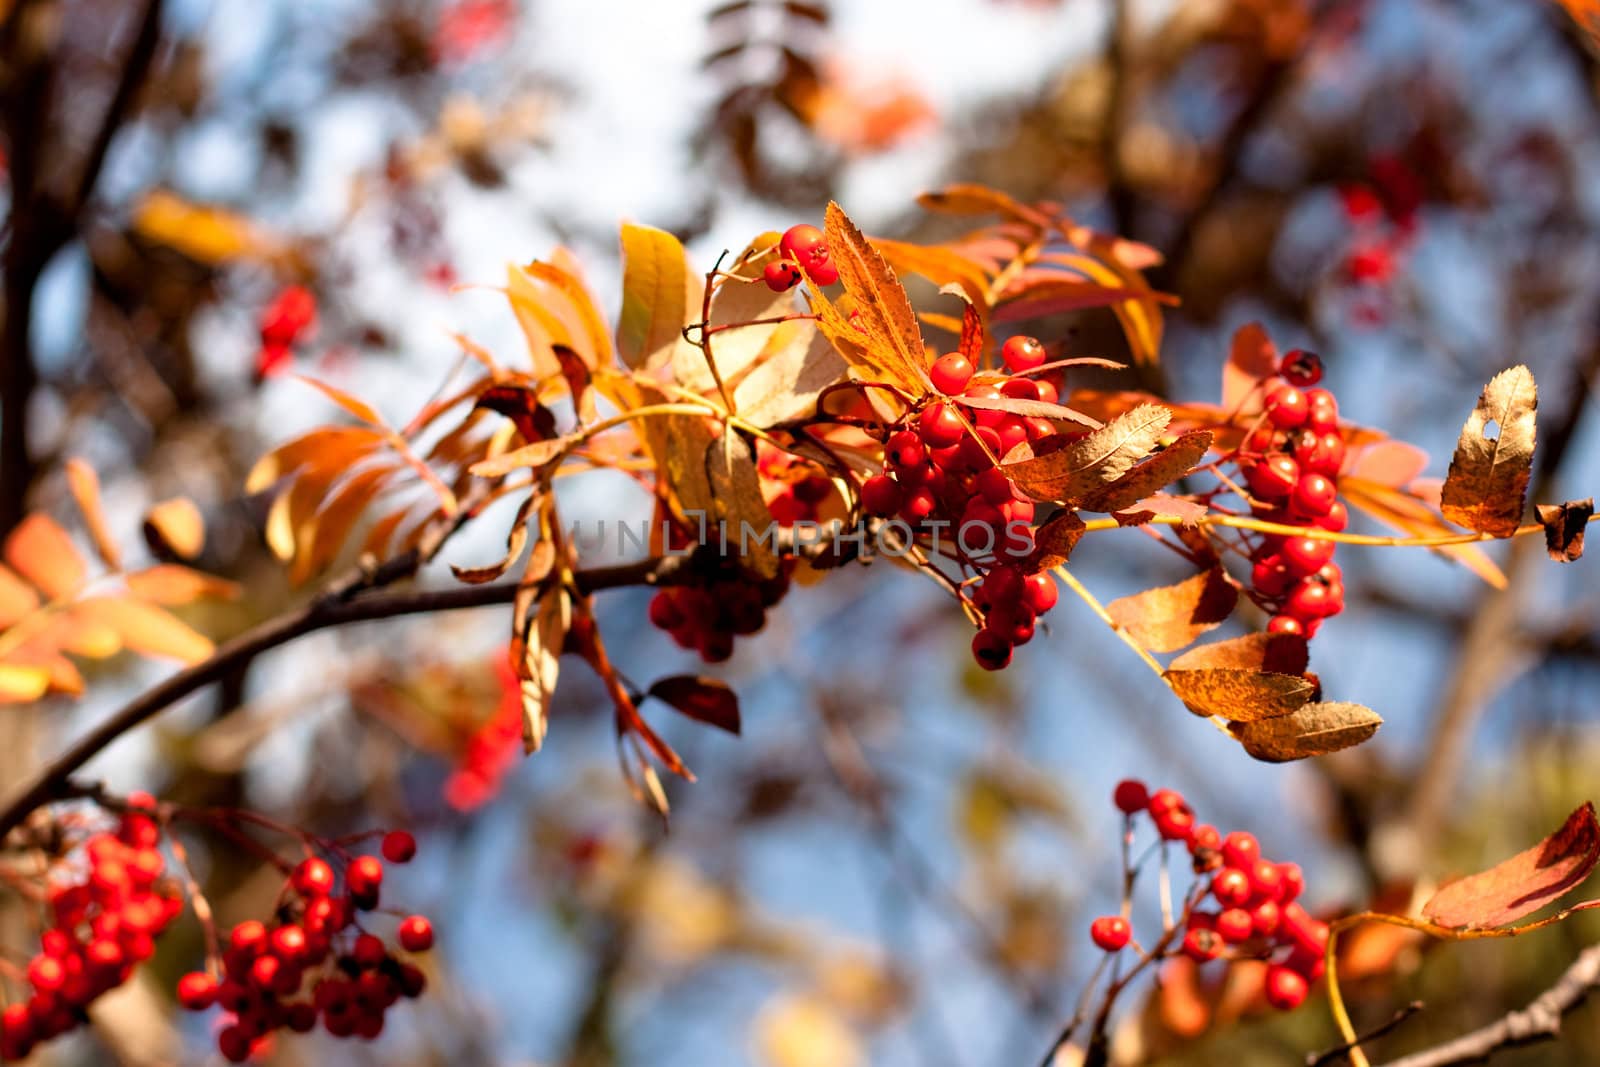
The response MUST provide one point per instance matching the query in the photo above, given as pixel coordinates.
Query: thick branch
(1539, 1021)
(134, 71)
(328, 610)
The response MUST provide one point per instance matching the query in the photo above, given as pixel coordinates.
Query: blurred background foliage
(896, 863)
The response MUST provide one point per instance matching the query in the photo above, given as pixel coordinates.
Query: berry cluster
(727, 603)
(1256, 915)
(938, 475)
(803, 253)
(291, 315)
(1291, 465)
(313, 961)
(492, 749)
(104, 923)
(792, 487)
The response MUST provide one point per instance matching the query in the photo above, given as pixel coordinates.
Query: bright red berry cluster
(792, 487)
(939, 474)
(1255, 912)
(1291, 464)
(803, 253)
(291, 315)
(313, 961)
(104, 922)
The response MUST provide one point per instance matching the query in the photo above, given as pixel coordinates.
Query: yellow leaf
(321, 536)
(170, 583)
(538, 652)
(86, 491)
(175, 527)
(207, 235)
(941, 266)
(151, 630)
(43, 553)
(1403, 511)
(82, 633)
(20, 684)
(660, 295)
(893, 339)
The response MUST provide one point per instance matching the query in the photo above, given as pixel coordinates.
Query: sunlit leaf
(940, 265)
(346, 400)
(893, 338)
(22, 684)
(17, 597)
(1151, 475)
(1174, 616)
(660, 294)
(170, 583)
(1087, 464)
(538, 649)
(209, 235)
(40, 550)
(1054, 541)
(736, 490)
(151, 630)
(1524, 883)
(175, 529)
(86, 492)
(1493, 460)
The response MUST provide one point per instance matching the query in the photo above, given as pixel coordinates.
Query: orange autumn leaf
(40, 550)
(152, 630)
(1524, 883)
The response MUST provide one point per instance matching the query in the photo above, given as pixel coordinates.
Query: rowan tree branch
(1539, 1021)
(334, 607)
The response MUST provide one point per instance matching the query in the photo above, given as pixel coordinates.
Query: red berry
(399, 846)
(1286, 407)
(940, 426)
(990, 650)
(314, 878)
(234, 1044)
(1294, 881)
(1047, 391)
(1314, 495)
(1175, 824)
(1013, 432)
(905, 449)
(1267, 879)
(364, 876)
(1307, 555)
(1231, 886)
(369, 952)
(1286, 989)
(1337, 518)
(264, 972)
(919, 504)
(416, 934)
(950, 373)
(1269, 576)
(1320, 452)
(1201, 945)
(1130, 796)
(289, 942)
(880, 496)
(993, 485)
(1163, 801)
(1020, 389)
(780, 277)
(801, 240)
(1299, 367)
(1308, 934)
(46, 974)
(249, 937)
(1323, 411)
(1265, 917)
(1310, 600)
(1204, 838)
(1039, 592)
(1285, 624)
(1110, 932)
(1022, 354)
(1241, 850)
(1274, 477)
(1235, 925)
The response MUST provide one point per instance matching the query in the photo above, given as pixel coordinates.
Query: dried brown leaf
(1054, 541)
(703, 699)
(1239, 695)
(1174, 616)
(1087, 464)
(1310, 730)
(1151, 475)
(1563, 528)
(1493, 461)
(1524, 883)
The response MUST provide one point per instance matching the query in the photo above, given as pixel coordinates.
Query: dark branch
(1539, 1021)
